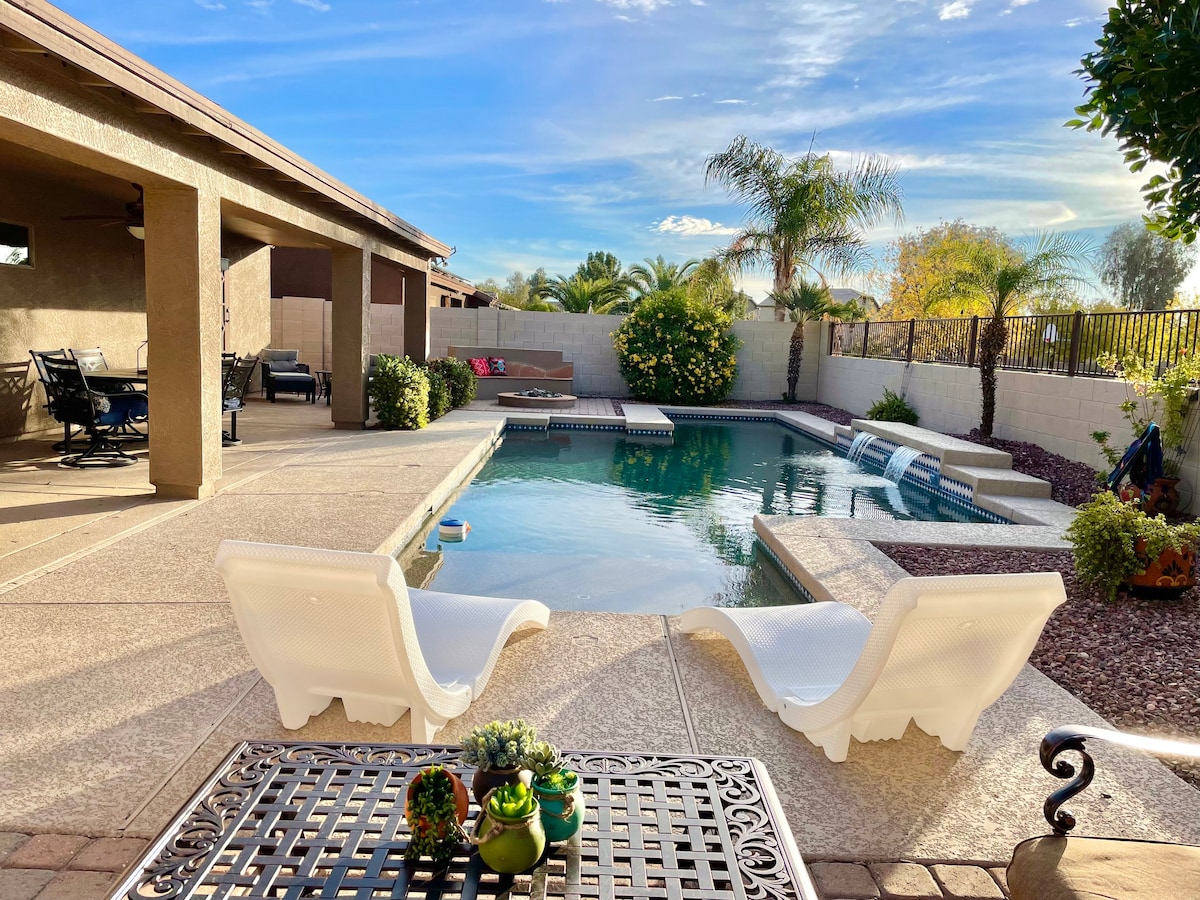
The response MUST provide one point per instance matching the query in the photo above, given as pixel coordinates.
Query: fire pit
(536, 398)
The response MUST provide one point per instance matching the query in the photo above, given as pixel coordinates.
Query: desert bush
(400, 393)
(462, 381)
(892, 408)
(439, 394)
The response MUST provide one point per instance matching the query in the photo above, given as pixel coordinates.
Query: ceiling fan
(133, 220)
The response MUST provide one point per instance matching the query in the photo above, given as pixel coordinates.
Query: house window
(16, 246)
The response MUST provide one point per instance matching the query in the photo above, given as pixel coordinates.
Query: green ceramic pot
(562, 811)
(509, 846)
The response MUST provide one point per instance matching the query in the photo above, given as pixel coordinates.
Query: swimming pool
(602, 520)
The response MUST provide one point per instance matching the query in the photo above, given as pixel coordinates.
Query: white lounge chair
(321, 624)
(940, 652)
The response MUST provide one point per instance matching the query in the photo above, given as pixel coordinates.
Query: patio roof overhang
(36, 29)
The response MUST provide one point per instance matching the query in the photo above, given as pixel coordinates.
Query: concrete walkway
(124, 680)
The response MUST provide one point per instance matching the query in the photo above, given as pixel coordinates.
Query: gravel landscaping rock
(1133, 661)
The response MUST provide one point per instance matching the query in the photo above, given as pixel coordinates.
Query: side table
(291, 819)
(324, 384)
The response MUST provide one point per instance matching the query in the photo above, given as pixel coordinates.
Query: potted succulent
(508, 830)
(497, 751)
(1165, 397)
(1116, 543)
(435, 808)
(558, 792)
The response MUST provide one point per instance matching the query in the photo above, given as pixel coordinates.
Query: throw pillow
(496, 364)
(284, 365)
(480, 366)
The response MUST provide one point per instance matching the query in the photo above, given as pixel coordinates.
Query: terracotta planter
(1163, 497)
(440, 831)
(485, 781)
(1168, 576)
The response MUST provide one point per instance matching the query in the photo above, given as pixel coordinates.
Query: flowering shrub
(674, 350)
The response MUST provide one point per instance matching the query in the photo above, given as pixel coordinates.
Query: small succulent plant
(542, 759)
(432, 817)
(499, 745)
(560, 781)
(512, 801)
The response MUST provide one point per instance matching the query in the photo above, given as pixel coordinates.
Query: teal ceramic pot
(490, 779)
(509, 846)
(562, 811)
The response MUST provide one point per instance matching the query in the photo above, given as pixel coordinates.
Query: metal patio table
(296, 820)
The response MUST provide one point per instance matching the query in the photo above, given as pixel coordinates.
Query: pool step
(987, 480)
(643, 419)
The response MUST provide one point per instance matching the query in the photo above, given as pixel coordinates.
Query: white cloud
(210, 4)
(1015, 3)
(642, 5)
(318, 5)
(668, 97)
(692, 226)
(729, 101)
(959, 9)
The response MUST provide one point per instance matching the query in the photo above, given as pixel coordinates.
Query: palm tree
(586, 295)
(802, 212)
(1004, 278)
(807, 301)
(659, 275)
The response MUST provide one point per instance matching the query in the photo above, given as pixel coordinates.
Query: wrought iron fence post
(972, 342)
(912, 333)
(833, 327)
(866, 331)
(1076, 343)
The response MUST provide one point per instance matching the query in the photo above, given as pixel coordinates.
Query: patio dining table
(291, 819)
(130, 376)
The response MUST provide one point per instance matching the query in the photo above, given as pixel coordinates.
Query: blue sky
(527, 132)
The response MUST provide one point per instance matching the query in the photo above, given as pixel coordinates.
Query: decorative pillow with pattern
(480, 366)
(496, 364)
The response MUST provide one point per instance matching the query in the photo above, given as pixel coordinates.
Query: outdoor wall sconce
(138, 231)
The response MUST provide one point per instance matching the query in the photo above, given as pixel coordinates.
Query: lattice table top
(303, 820)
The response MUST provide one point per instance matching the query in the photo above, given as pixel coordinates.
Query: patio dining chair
(1066, 866)
(100, 415)
(321, 624)
(235, 383)
(70, 433)
(940, 651)
(92, 360)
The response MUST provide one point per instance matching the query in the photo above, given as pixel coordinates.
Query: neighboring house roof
(94, 62)
(448, 279)
(839, 295)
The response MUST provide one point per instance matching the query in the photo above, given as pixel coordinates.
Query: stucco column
(351, 336)
(183, 325)
(416, 314)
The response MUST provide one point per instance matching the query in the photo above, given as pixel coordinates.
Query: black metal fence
(1064, 344)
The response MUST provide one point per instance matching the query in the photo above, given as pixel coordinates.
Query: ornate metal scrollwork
(1057, 742)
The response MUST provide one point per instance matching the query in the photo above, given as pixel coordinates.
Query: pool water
(602, 520)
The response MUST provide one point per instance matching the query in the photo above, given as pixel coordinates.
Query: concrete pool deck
(124, 679)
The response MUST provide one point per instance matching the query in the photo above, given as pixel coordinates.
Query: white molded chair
(940, 652)
(321, 624)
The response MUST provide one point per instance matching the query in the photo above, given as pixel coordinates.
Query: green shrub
(400, 392)
(672, 349)
(462, 381)
(892, 408)
(439, 394)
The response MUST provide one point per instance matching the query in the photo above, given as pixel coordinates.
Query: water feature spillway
(898, 464)
(859, 445)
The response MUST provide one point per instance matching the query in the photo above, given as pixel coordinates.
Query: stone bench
(524, 369)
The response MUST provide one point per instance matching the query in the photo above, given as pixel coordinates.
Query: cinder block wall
(587, 342)
(306, 324)
(1057, 413)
